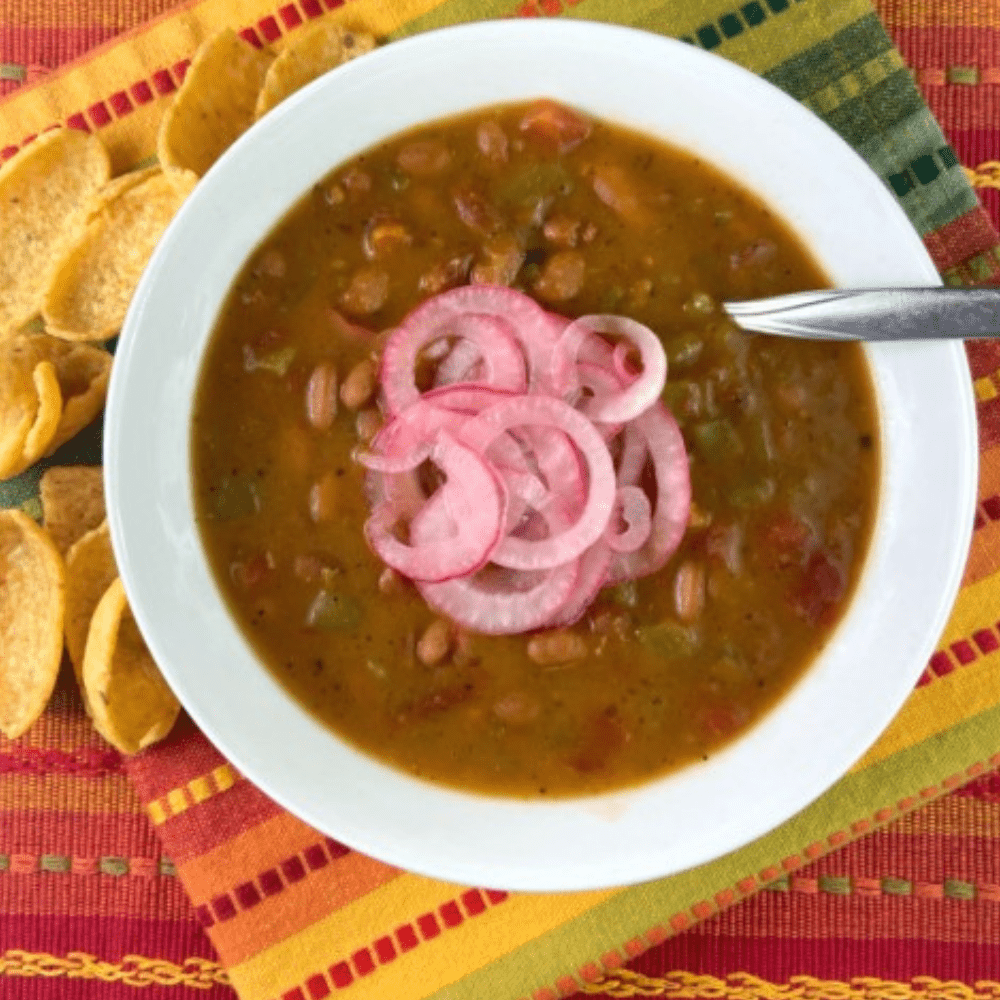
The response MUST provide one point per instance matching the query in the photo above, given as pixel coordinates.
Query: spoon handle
(875, 314)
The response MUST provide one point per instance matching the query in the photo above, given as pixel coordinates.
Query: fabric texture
(172, 873)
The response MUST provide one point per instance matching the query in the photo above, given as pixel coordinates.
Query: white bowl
(861, 237)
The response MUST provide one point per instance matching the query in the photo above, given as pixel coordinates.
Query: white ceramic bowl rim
(860, 235)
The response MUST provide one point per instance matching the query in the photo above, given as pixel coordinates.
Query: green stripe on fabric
(756, 33)
(831, 59)
(633, 911)
(916, 162)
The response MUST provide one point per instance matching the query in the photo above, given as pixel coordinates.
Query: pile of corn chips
(73, 246)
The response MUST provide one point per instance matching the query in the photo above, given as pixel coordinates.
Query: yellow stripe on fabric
(975, 608)
(853, 84)
(164, 44)
(132, 970)
(433, 964)
(196, 791)
(936, 707)
(780, 37)
(954, 14)
(985, 388)
(681, 985)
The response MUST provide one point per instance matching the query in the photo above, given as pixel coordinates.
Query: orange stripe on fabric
(252, 851)
(314, 897)
(31, 14)
(984, 553)
(944, 13)
(111, 795)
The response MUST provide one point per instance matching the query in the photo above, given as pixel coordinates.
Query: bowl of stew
(807, 507)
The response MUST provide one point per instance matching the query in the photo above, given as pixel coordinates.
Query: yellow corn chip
(310, 55)
(32, 601)
(72, 499)
(215, 103)
(44, 190)
(90, 289)
(115, 188)
(90, 570)
(125, 693)
(49, 390)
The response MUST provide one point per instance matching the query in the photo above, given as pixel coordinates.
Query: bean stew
(780, 447)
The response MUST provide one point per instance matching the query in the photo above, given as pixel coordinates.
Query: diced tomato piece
(819, 589)
(555, 126)
(251, 572)
(786, 540)
(603, 736)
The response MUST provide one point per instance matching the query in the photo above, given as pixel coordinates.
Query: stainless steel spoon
(874, 314)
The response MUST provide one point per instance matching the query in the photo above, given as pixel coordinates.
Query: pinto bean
(615, 188)
(359, 385)
(321, 396)
(367, 424)
(433, 646)
(272, 264)
(390, 582)
(517, 708)
(562, 230)
(423, 158)
(367, 291)
(492, 141)
(689, 591)
(559, 646)
(476, 212)
(383, 236)
(562, 276)
(554, 125)
(323, 498)
(503, 257)
(357, 181)
(447, 274)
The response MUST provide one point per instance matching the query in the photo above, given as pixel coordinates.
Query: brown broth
(782, 435)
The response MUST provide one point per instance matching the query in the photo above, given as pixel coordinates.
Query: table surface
(913, 908)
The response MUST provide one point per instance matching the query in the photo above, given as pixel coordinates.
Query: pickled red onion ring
(542, 431)
(644, 389)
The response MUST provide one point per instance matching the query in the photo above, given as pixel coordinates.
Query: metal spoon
(874, 314)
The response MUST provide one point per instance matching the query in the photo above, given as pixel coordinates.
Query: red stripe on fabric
(120, 104)
(185, 755)
(363, 962)
(407, 937)
(311, 8)
(776, 959)
(269, 29)
(966, 236)
(83, 762)
(64, 988)
(318, 987)
(141, 92)
(941, 45)
(341, 975)
(163, 82)
(106, 936)
(251, 36)
(290, 15)
(81, 834)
